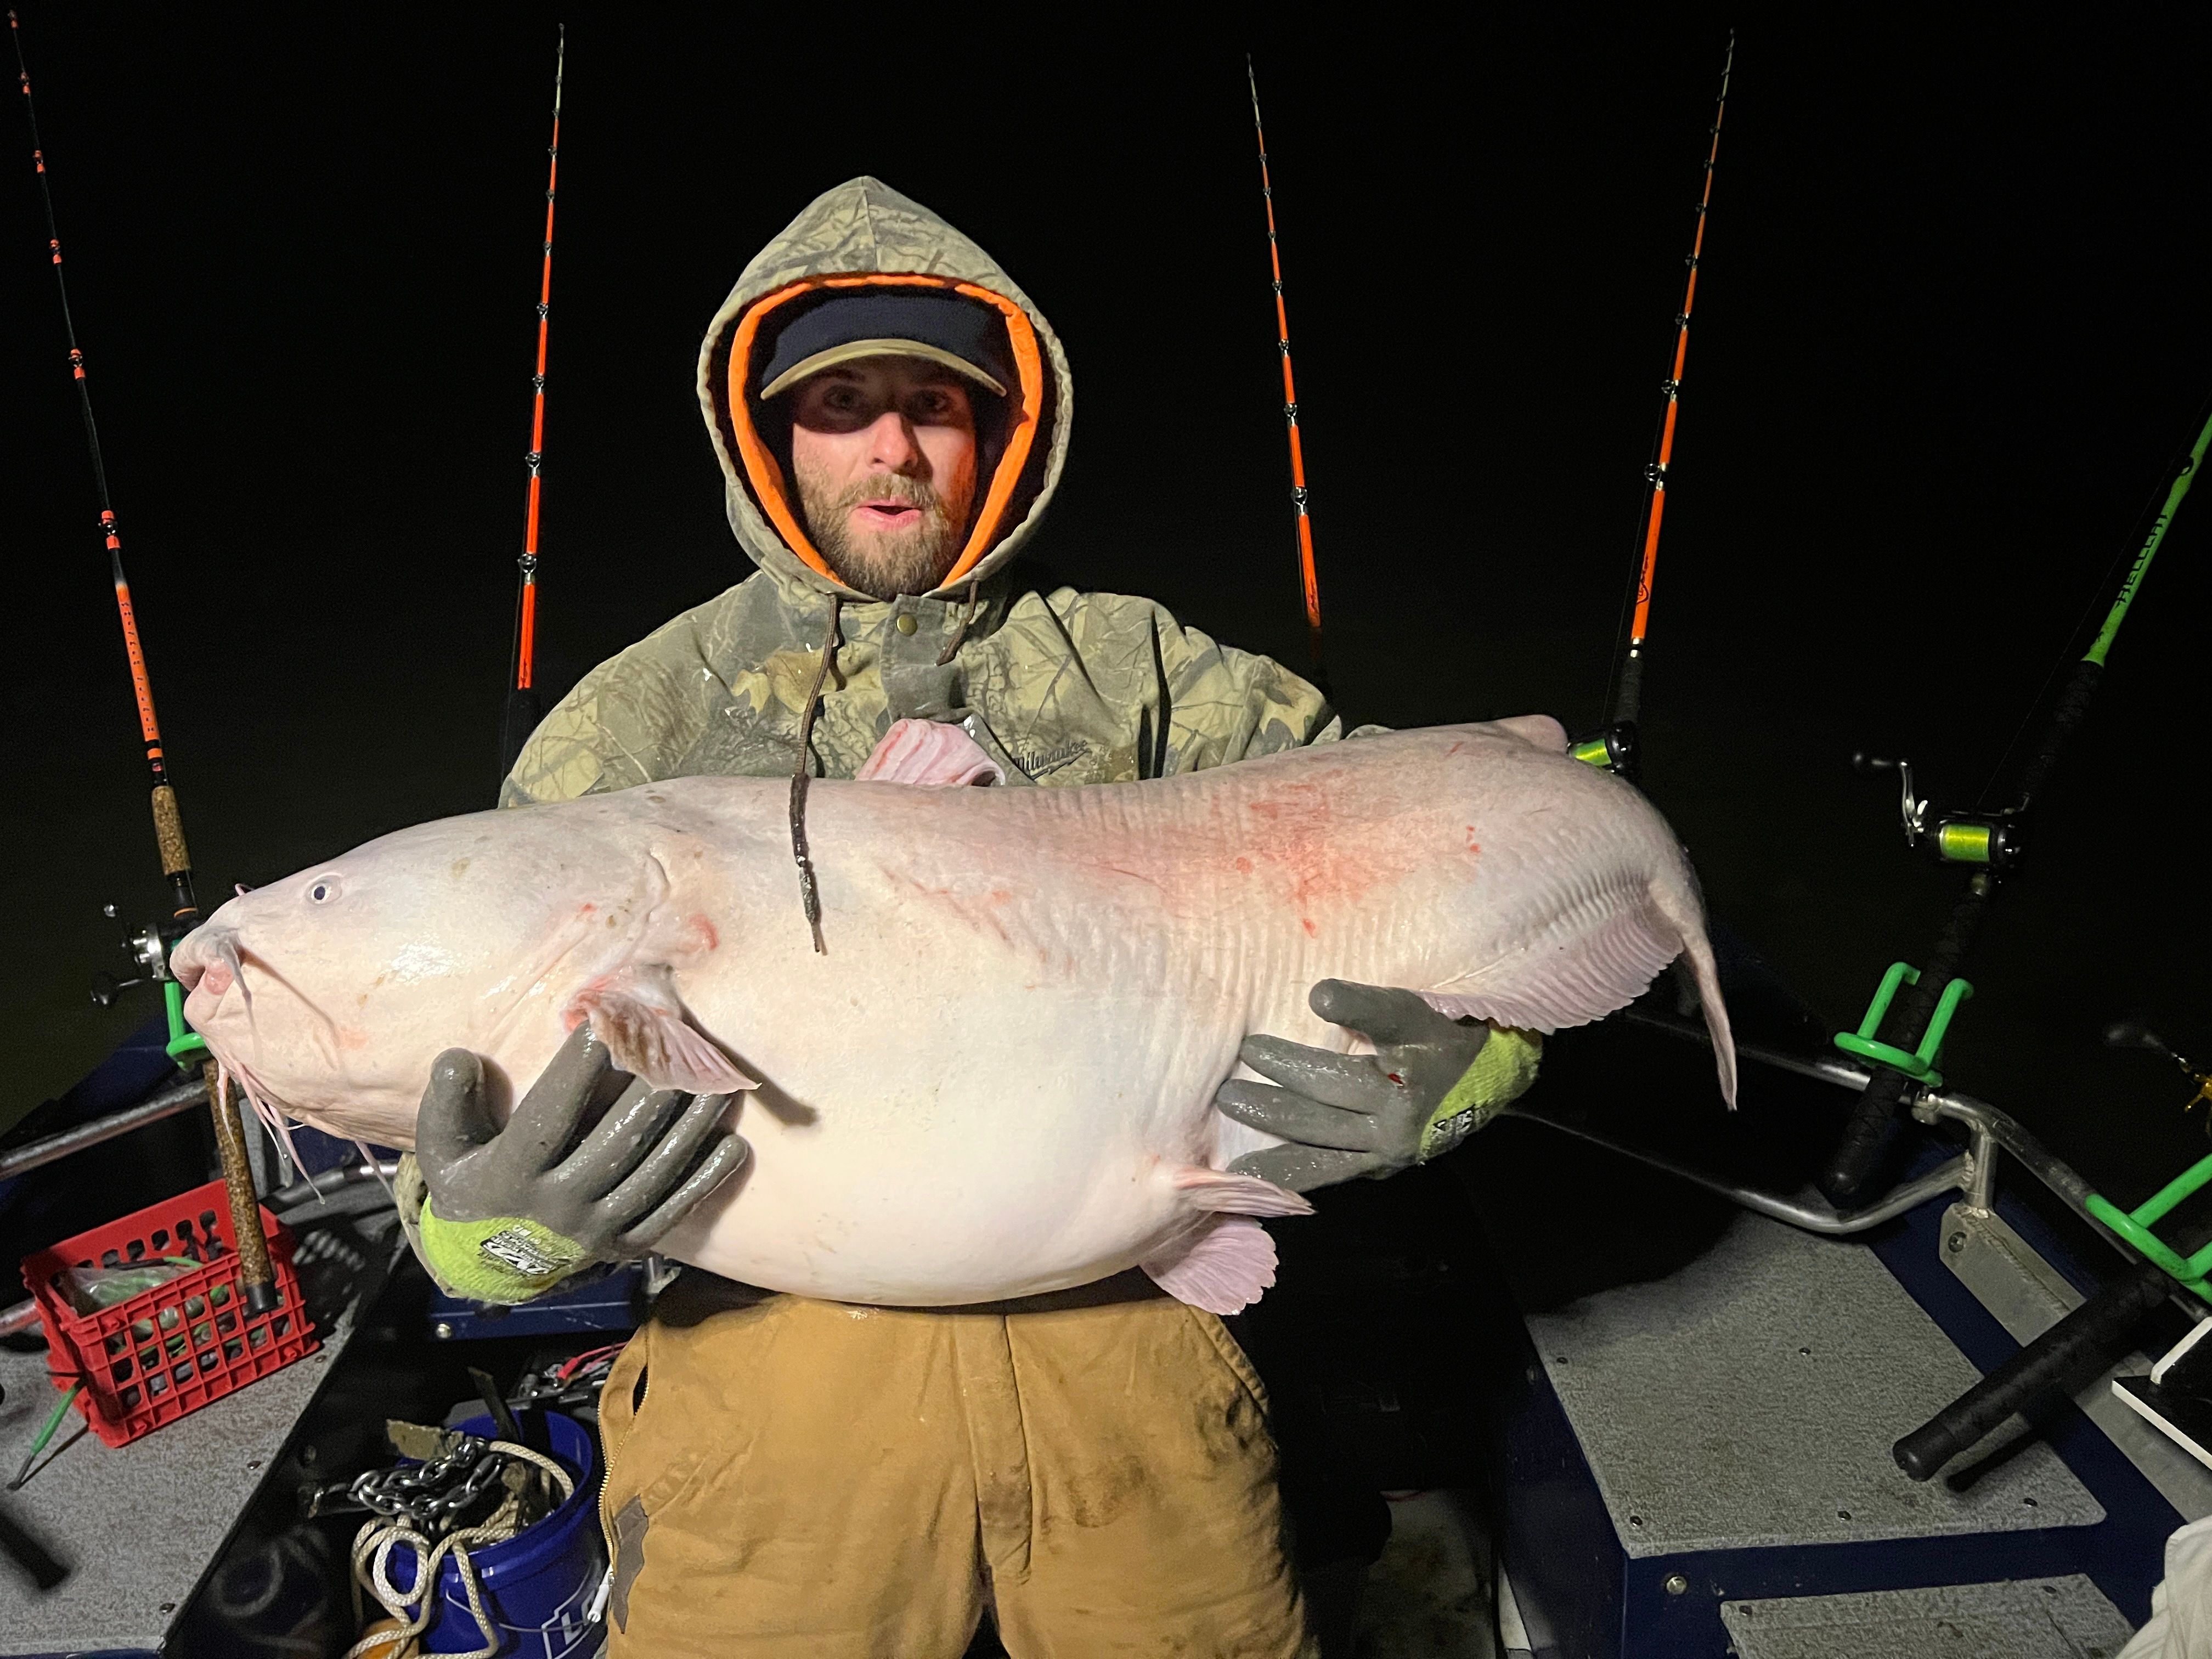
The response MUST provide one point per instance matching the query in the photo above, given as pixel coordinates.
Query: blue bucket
(537, 1586)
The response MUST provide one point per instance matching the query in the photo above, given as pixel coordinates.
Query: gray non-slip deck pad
(2031, 1619)
(140, 1525)
(1750, 1399)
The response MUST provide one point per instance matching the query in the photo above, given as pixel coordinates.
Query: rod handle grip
(37, 1562)
(2090, 1330)
(169, 832)
(257, 1278)
(1859, 1153)
(2066, 718)
(1866, 1137)
(1628, 697)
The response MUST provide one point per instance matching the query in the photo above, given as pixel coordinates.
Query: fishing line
(256, 1277)
(522, 703)
(1626, 694)
(1309, 580)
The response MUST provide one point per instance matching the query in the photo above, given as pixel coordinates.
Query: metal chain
(417, 1605)
(424, 1493)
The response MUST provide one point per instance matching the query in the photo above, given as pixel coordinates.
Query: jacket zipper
(607, 1475)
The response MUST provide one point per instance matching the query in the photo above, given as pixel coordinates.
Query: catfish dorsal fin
(1537, 730)
(930, 753)
(638, 1015)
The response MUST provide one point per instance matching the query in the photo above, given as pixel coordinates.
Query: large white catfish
(998, 1079)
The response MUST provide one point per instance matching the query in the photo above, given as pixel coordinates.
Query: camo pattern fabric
(1067, 688)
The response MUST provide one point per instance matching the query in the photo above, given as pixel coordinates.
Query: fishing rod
(2167, 1266)
(185, 1047)
(1309, 580)
(1615, 747)
(523, 710)
(1903, 1032)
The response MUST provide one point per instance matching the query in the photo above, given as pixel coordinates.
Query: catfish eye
(322, 890)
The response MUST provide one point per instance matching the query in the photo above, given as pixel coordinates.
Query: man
(788, 1478)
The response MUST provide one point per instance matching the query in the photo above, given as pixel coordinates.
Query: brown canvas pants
(796, 1480)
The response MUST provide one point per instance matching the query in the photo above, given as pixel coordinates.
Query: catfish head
(329, 994)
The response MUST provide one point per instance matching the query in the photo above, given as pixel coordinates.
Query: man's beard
(884, 564)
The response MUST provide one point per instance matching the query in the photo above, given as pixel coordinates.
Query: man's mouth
(889, 513)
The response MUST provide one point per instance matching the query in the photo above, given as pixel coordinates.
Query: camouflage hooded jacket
(1067, 688)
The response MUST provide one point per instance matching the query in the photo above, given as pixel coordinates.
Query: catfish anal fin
(1223, 1267)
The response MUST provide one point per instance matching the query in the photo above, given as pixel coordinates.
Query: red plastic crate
(167, 1352)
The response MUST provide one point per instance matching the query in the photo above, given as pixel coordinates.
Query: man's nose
(892, 443)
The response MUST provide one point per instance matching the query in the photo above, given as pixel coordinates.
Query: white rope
(371, 1560)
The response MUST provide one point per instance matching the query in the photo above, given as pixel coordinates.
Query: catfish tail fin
(1678, 903)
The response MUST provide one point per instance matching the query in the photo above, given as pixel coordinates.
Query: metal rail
(1808, 1210)
(178, 1097)
(1973, 1173)
(302, 1193)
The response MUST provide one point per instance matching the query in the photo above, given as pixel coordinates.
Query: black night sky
(1951, 327)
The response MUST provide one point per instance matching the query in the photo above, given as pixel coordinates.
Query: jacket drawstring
(810, 896)
(961, 632)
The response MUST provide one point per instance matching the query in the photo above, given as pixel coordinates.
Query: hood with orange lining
(863, 233)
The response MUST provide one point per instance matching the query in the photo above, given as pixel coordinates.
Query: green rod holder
(1920, 1065)
(185, 1045)
(2135, 1226)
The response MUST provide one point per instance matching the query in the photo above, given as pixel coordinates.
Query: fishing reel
(1616, 750)
(1992, 840)
(148, 953)
(147, 948)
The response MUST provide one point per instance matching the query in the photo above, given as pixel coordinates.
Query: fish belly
(1020, 1144)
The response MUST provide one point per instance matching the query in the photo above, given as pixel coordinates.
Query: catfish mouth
(208, 982)
(211, 965)
(209, 962)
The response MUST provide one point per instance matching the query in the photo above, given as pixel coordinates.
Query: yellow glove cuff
(1501, 1074)
(506, 1258)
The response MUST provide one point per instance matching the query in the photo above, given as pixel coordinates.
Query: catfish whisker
(272, 1120)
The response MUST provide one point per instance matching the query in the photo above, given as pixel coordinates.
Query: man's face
(884, 453)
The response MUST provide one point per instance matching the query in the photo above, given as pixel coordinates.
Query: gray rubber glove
(509, 1216)
(1360, 1114)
